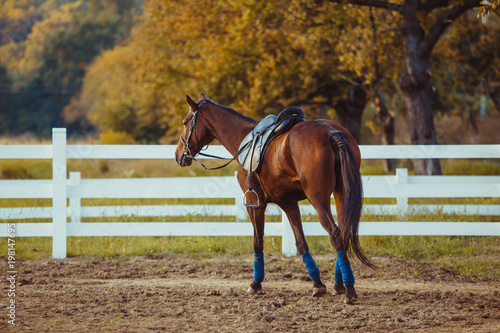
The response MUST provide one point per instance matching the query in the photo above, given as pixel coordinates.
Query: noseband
(189, 153)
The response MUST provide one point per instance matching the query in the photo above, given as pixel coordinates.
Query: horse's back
(313, 136)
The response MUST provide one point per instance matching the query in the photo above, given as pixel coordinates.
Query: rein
(189, 152)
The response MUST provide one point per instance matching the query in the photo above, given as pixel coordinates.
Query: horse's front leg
(257, 215)
(293, 213)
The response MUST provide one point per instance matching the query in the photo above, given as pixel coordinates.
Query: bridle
(189, 152)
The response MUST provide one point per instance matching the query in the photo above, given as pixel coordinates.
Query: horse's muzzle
(183, 160)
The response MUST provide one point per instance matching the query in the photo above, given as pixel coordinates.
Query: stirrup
(245, 199)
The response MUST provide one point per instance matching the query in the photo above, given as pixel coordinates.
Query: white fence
(59, 189)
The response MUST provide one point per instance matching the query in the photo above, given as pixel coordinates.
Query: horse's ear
(191, 103)
(204, 97)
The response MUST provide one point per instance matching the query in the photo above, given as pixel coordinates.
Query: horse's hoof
(319, 289)
(350, 295)
(350, 300)
(254, 288)
(251, 290)
(317, 292)
(338, 289)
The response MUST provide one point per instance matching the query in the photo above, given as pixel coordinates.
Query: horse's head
(195, 134)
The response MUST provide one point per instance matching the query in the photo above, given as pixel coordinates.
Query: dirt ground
(178, 293)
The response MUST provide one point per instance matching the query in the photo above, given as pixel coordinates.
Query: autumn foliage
(125, 66)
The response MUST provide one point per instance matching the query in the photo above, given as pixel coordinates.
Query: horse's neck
(229, 127)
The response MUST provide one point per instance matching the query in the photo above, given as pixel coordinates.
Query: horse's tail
(352, 196)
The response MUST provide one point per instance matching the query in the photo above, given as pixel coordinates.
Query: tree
(113, 98)
(64, 58)
(470, 70)
(6, 100)
(254, 56)
(423, 24)
(262, 56)
(385, 121)
(48, 64)
(17, 18)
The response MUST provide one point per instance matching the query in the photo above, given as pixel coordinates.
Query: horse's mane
(232, 111)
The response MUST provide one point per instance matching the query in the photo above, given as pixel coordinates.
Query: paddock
(206, 292)
(183, 293)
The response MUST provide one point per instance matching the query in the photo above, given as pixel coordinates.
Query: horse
(311, 161)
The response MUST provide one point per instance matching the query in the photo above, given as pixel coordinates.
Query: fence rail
(59, 189)
(23, 213)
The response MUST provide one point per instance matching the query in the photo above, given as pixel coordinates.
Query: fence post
(75, 205)
(241, 212)
(288, 246)
(402, 202)
(59, 206)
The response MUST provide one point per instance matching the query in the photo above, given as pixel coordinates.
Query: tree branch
(391, 29)
(373, 3)
(374, 52)
(443, 22)
(352, 82)
(430, 5)
(305, 102)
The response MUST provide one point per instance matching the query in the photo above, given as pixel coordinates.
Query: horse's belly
(282, 187)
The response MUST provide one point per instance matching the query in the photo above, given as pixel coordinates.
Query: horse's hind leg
(343, 267)
(343, 271)
(293, 213)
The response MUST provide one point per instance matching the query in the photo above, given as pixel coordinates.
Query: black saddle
(288, 118)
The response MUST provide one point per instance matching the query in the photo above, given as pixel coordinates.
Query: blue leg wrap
(258, 267)
(311, 266)
(338, 274)
(345, 269)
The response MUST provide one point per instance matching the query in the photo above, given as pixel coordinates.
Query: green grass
(41, 247)
(472, 257)
(413, 247)
(471, 167)
(430, 247)
(472, 267)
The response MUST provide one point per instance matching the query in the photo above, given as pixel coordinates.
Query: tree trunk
(385, 118)
(422, 130)
(350, 112)
(417, 90)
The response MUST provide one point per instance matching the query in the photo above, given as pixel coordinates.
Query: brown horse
(311, 161)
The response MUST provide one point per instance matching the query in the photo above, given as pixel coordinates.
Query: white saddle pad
(258, 137)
